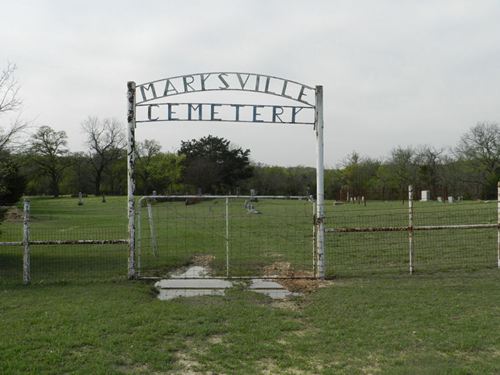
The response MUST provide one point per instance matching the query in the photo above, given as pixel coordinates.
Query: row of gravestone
(426, 197)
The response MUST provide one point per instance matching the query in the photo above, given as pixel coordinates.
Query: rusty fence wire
(411, 236)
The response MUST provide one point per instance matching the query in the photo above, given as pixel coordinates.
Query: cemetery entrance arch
(149, 102)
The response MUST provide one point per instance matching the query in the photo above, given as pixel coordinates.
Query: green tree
(12, 182)
(214, 165)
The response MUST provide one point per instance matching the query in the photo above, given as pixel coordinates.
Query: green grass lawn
(431, 324)
(81, 316)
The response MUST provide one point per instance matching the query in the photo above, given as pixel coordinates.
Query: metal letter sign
(148, 102)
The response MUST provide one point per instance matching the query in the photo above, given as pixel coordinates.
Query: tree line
(42, 164)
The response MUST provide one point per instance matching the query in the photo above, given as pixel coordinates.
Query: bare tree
(480, 147)
(105, 141)
(48, 147)
(9, 103)
(429, 161)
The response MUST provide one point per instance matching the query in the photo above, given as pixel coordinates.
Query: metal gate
(226, 236)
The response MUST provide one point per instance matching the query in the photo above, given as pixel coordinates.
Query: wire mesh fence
(243, 237)
(229, 236)
(381, 237)
(67, 241)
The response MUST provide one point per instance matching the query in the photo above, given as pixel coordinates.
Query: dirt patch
(269, 367)
(14, 215)
(286, 304)
(188, 365)
(294, 280)
(202, 260)
(215, 339)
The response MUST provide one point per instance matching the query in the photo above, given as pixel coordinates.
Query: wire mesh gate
(229, 236)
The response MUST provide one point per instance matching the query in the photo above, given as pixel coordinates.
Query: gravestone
(425, 196)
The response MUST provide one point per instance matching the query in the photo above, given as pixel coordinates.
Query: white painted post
(131, 176)
(410, 227)
(26, 243)
(227, 237)
(314, 246)
(320, 191)
(498, 224)
(152, 231)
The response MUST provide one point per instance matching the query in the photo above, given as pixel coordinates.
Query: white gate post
(26, 243)
(152, 230)
(410, 227)
(226, 237)
(131, 176)
(320, 191)
(498, 224)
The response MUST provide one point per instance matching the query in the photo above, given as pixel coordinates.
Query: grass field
(81, 316)
(432, 324)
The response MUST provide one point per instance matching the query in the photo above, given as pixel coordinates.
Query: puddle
(196, 281)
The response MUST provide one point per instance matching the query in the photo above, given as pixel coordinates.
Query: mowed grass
(428, 324)
(81, 316)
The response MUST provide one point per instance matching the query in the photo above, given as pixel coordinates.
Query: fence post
(315, 249)
(131, 176)
(410, 227)
(26, 243)
(320, 181)
(227, 237)
(498, 224)
(152, 231)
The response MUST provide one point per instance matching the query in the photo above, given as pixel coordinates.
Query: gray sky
(394, 72)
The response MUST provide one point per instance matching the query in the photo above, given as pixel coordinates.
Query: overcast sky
(394, 72)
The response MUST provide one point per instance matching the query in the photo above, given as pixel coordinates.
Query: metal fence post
(227, 237)
(410, 227)
(152, 230)
(320, 191)
(314, 245)
(131, 176)
(498, 224)
(26, 243)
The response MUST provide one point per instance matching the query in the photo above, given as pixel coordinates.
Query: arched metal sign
(148, 102)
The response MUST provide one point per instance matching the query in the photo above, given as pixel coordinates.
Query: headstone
(425, 196)
(450, 199)
(440, 199)
(80, 199)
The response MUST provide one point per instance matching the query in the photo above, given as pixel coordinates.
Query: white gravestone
(425, 195)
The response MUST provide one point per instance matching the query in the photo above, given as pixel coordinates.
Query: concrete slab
(173, 288)
(196, 281)
(270, 288)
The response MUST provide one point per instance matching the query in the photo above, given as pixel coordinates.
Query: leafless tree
(480, 148)
(9, 103)
(105, 141)
(47, 149)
